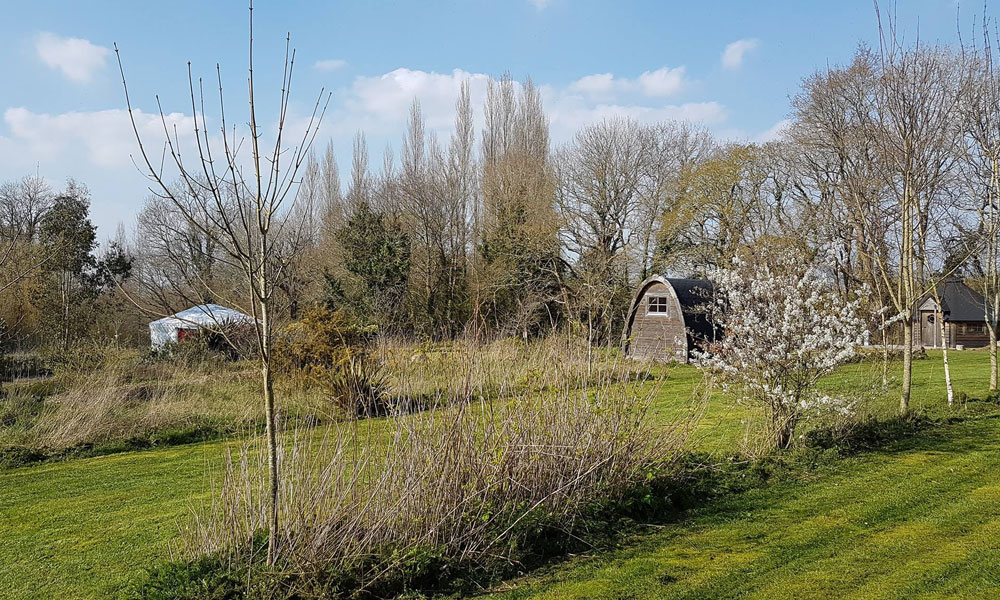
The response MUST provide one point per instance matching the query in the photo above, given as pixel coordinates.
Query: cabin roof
(959, 302)
(691, 292)
(695, 296)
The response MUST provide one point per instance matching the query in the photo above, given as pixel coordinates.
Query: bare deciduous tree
(244, 209)
(980, 108)
(913, 130)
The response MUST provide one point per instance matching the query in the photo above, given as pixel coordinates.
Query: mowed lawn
(923, 513)
(920, 519)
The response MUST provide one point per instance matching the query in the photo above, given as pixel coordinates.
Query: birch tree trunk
(993, 357)
(944, 352)
(904, 399)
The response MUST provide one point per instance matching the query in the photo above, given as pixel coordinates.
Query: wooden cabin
(668, 318)
(963, 311)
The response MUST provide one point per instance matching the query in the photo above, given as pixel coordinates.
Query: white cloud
(540, 4)
(662, 82)
(599, 84)
(380, 104)
(97, 147)
(775, 132)
(567, 114)
(102, 138)
(77, 58)
(733, 55)
(330, 64)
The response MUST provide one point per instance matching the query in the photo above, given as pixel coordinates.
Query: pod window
(656, 305)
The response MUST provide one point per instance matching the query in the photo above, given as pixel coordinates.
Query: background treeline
(58, 285)
(887, 171)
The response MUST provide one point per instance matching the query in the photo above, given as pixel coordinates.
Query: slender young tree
(243, 208)
(980, 109)
(909, 118)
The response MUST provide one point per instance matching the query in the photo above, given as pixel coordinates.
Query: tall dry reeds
(472, 484)
(127, 399)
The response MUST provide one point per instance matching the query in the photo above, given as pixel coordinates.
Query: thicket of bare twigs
(373, 504)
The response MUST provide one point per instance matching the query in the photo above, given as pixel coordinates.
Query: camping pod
(669, 318)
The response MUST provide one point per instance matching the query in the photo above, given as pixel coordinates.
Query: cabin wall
(658, 336)
(971, 335)
(966, 333)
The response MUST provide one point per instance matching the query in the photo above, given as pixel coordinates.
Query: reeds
(472, 483)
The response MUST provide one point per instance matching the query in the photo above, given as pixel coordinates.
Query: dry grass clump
(108, 395)
(125, 399)
(453, 371)
(479, 484)
(130, 399)
(109, 404)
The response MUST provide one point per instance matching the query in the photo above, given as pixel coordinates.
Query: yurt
(187, 324)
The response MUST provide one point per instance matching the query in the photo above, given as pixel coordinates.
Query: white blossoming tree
(783, 329)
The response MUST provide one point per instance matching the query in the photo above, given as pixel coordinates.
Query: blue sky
(61, 103)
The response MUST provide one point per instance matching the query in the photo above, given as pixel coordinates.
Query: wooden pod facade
(668, 318)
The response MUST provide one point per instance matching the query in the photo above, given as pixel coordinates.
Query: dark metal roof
(959, 302)
(696, 297)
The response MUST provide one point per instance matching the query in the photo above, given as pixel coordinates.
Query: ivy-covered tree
(69, 239)
(376, 255)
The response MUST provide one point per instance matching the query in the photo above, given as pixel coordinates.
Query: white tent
(207, 316)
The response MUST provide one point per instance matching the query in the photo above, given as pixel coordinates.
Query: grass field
(921, 517)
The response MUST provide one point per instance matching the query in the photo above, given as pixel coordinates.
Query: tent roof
(203, 315)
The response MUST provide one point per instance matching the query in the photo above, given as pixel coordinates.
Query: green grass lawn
(924, 513)
(920, 519)
(917, 519)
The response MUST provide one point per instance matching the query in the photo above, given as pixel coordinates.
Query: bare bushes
(477, 487)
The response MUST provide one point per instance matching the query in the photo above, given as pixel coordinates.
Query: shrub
(357, 387)
(17, 456)
(784, 329)
(205, 578)
(326, 349)
(439, 496)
